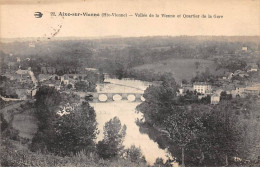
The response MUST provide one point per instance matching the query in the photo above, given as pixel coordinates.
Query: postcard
(140, 83)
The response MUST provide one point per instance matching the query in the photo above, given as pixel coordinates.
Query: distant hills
(216, 38)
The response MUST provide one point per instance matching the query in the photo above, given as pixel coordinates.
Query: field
(25, 123)
(21, 118)
(180, 68)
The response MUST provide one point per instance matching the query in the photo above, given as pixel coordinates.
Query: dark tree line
(75, 133)
(199, 134)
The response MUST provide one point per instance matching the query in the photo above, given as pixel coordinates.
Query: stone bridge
(109, 97)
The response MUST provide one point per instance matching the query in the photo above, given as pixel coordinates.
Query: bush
(135, 155)
(4, 123)
(12, 156)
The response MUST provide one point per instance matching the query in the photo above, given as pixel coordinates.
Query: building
(22, 93)
(228, 88)
(18, 59)
(237, 72)
(238, 92)
(252, 67)
(31, 45)
(215, 99)
(243, 75)
(181, 92)
(253, 90)
(22, 72)
(33, 92)
(187, 87)
(12, 65)
(72, 79)
(82, 77)
(227, 76)
(44, 77)
(48, 70)
(12, 76)
(21, 76)
(106, 76)
(244, 48)
(91, 70)
(202, 96)
(184, 88)
(202, 87)
(52, 83)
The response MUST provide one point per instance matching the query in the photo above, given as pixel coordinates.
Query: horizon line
(117, 36)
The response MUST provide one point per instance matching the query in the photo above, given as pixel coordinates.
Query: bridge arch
(131, 97)
(117, 97)
(102, 97)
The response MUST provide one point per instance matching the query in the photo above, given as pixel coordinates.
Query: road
(4, 111)
(10, 99)
(34, 80)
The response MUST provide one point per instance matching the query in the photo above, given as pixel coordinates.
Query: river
(125, 111)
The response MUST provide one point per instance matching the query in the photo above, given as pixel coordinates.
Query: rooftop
(201, 83)
(22, 71)
(91, 69)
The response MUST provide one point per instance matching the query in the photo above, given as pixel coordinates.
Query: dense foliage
(13, 156)
(199, 133)
(63, 135)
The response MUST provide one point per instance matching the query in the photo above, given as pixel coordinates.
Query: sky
(240, 17)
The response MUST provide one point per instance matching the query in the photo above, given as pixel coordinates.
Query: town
(21, 84)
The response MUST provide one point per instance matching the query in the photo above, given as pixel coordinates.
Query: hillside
(180, 68)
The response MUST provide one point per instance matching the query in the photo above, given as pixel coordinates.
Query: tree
(158, 162)
(47, 101)
(101, 75)
(135, 155)
(225, 96)
(182, 128)
(92, 79)
(134, 58)
(222, 134)
(112, 144)
(3, 122)
(81, 86)
(119, 71)
(67, 134)
(46, 106)
(197, 64)
(188, 98)
(205, 100)
(184, 81)
(69, 86)
(76, 131)
(159, 101)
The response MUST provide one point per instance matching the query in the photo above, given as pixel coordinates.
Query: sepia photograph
(119, 83)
